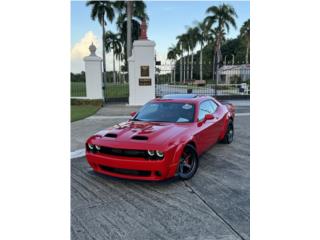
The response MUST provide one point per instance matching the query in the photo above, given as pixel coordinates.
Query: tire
(228, 136)
(189, 163)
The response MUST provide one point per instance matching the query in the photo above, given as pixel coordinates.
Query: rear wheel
(188, 163)
(228, 137)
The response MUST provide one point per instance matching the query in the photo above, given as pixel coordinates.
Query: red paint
(170, 138)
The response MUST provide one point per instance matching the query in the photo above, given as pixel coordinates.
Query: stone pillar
(93, 71)
(142, 70)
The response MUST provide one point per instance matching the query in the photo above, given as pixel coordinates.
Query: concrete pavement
(215, 204)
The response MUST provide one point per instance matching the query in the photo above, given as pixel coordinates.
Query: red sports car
(164, 139)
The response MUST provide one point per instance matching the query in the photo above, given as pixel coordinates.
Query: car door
(206, 130)
(217, 123)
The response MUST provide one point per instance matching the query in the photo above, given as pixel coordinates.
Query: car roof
(190, 98)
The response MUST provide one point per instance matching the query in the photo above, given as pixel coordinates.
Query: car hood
(138, 134)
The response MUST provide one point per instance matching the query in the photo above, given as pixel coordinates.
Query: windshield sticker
(187, 106)
(182, 120)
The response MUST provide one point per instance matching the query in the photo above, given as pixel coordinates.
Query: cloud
(81, 48)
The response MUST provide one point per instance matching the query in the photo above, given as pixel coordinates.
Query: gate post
(142, 69)
(93, 70)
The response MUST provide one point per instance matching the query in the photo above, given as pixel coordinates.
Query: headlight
(91, 146)
(159, 154)
(98, 147)
(151, 153)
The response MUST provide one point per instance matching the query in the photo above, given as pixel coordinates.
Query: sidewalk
(118, 112)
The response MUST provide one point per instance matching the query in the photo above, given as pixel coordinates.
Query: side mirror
(208, 117)
(133, 114)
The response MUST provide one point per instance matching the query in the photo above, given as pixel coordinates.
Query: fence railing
(78, 89)
(227, 80)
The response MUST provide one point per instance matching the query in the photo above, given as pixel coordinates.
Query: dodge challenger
(163, 139)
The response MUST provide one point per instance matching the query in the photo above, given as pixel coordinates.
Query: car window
(206, 107)
(214, 105)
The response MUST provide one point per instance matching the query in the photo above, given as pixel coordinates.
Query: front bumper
(134, 168)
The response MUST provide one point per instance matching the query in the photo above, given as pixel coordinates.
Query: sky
(167, 19)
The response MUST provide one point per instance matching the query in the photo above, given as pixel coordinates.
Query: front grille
(124, 152)
(126, 171)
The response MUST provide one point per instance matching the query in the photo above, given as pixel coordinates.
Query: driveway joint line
(214, 211)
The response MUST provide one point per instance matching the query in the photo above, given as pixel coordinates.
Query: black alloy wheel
(188, 163)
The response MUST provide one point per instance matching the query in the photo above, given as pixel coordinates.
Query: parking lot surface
(214, 204)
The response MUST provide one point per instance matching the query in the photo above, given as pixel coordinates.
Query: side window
(214, 106)
(205, 108)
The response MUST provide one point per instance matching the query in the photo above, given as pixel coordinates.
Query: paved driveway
(213, 205)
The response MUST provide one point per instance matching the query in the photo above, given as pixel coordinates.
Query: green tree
(193, 36)
(184, 46)
(173, 53)
(245, 35)
(223, 16)
(130, 11)
(101, 10)
(112, 42)
(204, 35)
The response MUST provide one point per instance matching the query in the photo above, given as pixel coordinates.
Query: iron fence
(228, 80)
(78, 89)
(116, 87)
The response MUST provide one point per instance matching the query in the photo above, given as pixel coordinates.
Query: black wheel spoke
(187, 165)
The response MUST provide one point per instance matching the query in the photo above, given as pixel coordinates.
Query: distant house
(230, 74)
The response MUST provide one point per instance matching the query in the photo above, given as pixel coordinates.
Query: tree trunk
(129, 28)
(184, 68)
(174, 72)
(218, 60)
(119, 78)
(191, 65)
(201, 76)
(181, 69)
(114, 68)
(104, 77)
(187, 67)
(247, 52)
(103, 48)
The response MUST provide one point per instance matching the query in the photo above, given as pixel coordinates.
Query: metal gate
(233, 80)
(116, 88)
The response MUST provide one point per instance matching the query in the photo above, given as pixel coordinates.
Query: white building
(230, 74)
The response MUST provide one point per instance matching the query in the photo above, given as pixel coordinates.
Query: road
(214, 204)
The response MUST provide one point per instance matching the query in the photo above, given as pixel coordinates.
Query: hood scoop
(139, 137)
(111, 135)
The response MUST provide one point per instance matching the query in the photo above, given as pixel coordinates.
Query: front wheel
(228, 137)
(188, 163)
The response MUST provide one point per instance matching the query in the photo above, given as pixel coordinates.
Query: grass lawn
(78, 89)
(82, 111)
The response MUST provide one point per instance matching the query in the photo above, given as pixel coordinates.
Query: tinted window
(214, 105)
(166, 112)
(207, 107)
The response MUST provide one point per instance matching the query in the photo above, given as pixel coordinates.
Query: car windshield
(166, 112)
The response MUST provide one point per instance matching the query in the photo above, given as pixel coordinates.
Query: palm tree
(203, 37)
(130, 10)
(120, 57)
(100, 10)
(192, 34)
(245, 34)
(173, 53)
(183, 45)
(112, 41)
(224, 16)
